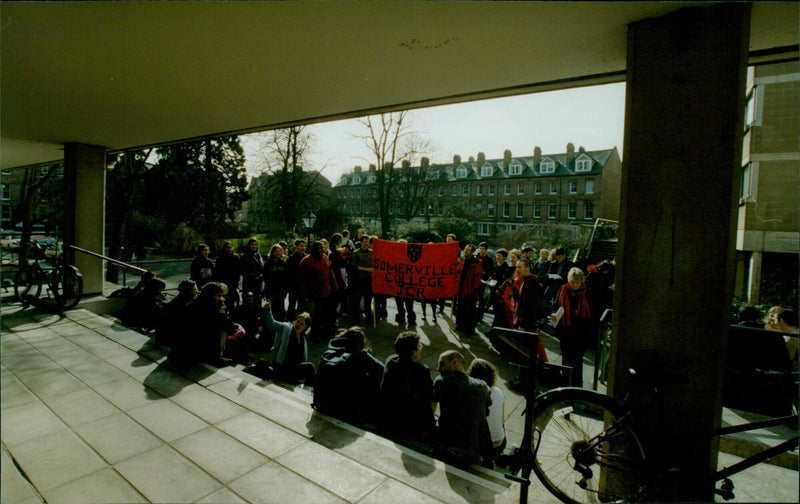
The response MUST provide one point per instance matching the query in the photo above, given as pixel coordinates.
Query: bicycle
(588, 447)
(64, 281)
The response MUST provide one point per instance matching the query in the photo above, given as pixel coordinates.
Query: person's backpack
(332, 379)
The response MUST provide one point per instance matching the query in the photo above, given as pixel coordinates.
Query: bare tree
(40, 200)
(284, 154)
(391, 140)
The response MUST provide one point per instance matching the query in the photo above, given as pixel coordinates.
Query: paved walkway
(91, 413)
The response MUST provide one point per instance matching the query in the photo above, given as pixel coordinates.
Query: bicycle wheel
(584, 450)
(26, 282)
(68, 286)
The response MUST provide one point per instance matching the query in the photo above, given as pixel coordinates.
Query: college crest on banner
(415, 270)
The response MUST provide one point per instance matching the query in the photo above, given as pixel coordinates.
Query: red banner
(415, 270)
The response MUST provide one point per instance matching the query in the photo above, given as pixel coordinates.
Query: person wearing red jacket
(317, 284)
(573, 323)
(470, 272)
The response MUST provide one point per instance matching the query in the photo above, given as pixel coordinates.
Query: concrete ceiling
(134, 74)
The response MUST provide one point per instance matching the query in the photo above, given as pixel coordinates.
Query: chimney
(406, 164)
(456, 160)
(424, 162)
(537, 155)
(372, 168)
(506, 157)
(481, 158)
(357, 169)
(472, 159)
(570, 153)
(581, 149)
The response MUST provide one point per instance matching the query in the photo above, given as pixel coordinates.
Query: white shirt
(495, 418)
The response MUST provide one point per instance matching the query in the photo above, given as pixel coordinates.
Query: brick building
(572, 187)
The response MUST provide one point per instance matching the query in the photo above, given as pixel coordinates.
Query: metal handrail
(109, 259)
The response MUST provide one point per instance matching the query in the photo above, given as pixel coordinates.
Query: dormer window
(515, 168)
(343, 181)
(461, 172)
(371, 178)
(583, 164)
(356, 179)
(486, 170)
(547, 166)
(432, 175)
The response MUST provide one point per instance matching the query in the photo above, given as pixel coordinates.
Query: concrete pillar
(754, 280)
(682, 153)
(85, 210)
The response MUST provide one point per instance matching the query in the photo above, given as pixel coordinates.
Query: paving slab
(221, 455)
(274, 483)
(103, 486)
(164, 475)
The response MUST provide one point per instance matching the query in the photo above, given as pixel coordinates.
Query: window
(486, 170)
(454, 191)
(461, 172)
(515, 168)
(344, 207)
(490, 209)
(749, 173)
(358, 193)
(483, 229)
(356, 206)
(430, 192)
(441, 191)
(356, 179)
(590, 187)
(371, 178)
(583, 164)
(588, 210)
(506, 210)
(537, 210)
(573, 187)
(343, 181)
(479, 190)
(465, 190)
(520, 189)
(478, 208)
(6, 213)
(572, 210)
(753, 109)
(520, 210)
(547, 166)
(506, 189)
(491, 190)
(537, 188)
(551, 210)
(553, 187)
(6, 194)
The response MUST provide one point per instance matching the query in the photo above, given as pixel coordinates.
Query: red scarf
(582, 310)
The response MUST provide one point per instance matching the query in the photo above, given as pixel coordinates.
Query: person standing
(251, 267)
(573, 326)
(542, 265)
(530, 306)
(362, 264)
(449, 238)
(276, 281)
(228, 272)
(202, 268)
(293, 270)
(502, 272)
(317, 286)
(487, 263)
(485, 371)
(557, 273)
(470, 273)
(405, 306)
(462, 434)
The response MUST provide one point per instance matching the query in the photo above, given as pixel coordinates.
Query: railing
(597, 223)
(137, 268)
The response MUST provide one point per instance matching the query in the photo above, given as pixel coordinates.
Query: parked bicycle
(588, 447)
(64, 282)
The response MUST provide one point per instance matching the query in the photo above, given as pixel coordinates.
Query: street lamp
(429, 217)
(309, 219)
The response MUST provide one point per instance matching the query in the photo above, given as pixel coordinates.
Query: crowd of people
(260, 311)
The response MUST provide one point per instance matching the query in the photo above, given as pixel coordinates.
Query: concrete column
(682, 154)
(85, 210)
(754, 280)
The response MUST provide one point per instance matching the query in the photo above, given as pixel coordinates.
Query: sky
(591, 117)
